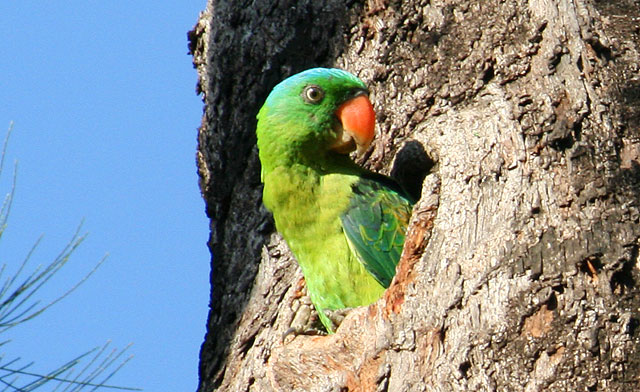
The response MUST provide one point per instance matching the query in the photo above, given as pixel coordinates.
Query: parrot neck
(293, 184)
(323, 162)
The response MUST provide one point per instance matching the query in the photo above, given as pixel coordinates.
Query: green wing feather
(375, 224)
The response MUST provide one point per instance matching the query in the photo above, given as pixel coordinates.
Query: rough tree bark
(520, 270)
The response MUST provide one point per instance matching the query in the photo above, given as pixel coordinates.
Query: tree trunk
(520, 269)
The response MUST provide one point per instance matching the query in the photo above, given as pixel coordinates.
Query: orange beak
(357, 124)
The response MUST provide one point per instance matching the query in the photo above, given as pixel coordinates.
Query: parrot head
(317, 111)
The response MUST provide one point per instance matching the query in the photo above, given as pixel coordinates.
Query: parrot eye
(312, 94)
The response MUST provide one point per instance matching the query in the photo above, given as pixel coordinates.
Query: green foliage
(19, 303)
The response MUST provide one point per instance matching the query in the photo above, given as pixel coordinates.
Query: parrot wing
(375, 224)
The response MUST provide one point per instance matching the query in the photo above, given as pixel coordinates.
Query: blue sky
(102, 96)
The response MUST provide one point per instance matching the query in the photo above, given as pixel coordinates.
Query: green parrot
(344, 224)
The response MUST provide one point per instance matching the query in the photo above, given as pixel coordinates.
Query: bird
(344, 224)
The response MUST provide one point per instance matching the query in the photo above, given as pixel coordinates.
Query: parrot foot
(337, 316)
(305, 322)
(302, 331)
